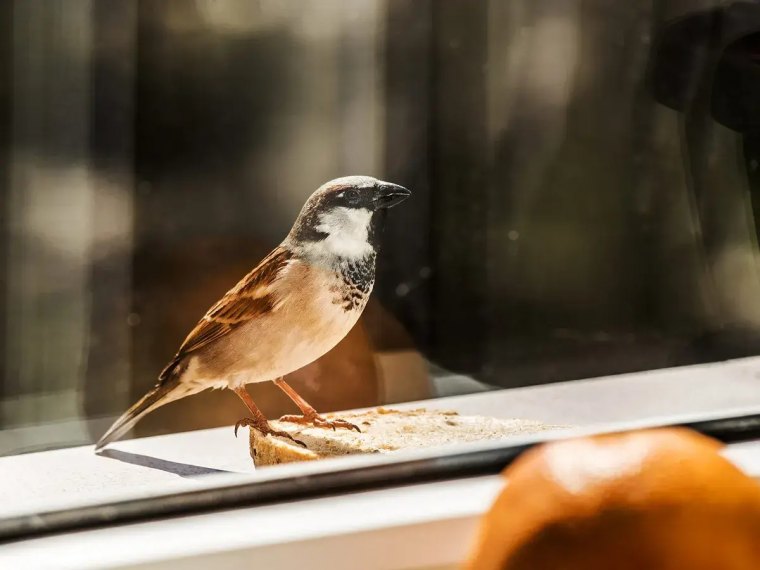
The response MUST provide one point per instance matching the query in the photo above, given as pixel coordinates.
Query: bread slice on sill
(383, 431)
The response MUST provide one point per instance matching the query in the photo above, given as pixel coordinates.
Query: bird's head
(341, 218)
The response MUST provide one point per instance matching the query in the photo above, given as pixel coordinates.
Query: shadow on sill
(181, 469)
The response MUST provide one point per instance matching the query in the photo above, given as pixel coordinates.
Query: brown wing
(251, 297)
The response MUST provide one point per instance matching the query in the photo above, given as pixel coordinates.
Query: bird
(297, 304)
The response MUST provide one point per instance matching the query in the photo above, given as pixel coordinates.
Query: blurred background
(585, 177)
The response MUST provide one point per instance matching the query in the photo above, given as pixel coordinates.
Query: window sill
(428, 526)
(432, 524)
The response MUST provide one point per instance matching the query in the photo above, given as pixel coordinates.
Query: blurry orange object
(647, 500)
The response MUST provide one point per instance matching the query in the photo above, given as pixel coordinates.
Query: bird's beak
(388, 195)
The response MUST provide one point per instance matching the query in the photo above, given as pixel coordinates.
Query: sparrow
(293, 307)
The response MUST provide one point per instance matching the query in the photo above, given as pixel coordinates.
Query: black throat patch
(358, 277)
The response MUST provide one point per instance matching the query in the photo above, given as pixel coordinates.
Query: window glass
(584, 179)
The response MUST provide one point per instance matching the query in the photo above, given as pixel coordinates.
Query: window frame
(332, 479)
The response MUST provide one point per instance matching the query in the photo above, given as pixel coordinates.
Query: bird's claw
(265, 429)
(318, 421)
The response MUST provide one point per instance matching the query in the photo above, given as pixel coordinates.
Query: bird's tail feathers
(161, 394)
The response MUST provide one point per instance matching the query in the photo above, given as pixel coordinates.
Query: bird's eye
(352, 196)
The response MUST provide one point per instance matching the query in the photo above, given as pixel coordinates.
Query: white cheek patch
(347, 231)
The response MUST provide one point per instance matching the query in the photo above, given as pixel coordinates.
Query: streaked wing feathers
(251, 297)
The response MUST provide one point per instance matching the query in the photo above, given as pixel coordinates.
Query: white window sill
(408, 527)
(415, 527)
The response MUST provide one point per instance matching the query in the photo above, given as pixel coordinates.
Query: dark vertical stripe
(111, 143)
(459, 164)
(6, 104)
(405, 263)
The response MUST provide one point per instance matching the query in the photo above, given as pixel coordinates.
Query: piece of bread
(662, 499)
(383, 431)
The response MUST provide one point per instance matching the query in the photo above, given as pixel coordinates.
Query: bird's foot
(263, 427)
(318, 421)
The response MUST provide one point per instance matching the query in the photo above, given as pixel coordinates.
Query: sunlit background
(585, 179)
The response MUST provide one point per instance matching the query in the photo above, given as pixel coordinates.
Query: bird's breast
(316, 310)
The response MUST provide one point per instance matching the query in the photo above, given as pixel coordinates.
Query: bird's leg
(310, 415)
(259, 420)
